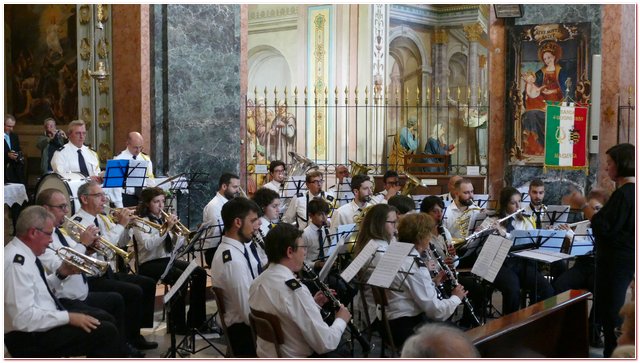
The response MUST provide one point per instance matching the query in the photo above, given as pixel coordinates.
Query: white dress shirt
(151, 244)
(451, 215)
(275, 186)
(297, 211)
(277, 291)
(28, 307)
(544, 217)
(345, 215)
(113, 233)
(212, 215)
(418, 293)
(310, 237)
(232, 274)
(65, 160)
(379, 198)
(75, 286)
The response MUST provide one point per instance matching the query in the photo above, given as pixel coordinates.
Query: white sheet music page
(137, 173)
(491, 257)
(354, 267)
(175, 287)
(389, 264)
(543, 256)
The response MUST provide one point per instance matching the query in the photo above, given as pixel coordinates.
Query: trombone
(89, 265)
(104, 248)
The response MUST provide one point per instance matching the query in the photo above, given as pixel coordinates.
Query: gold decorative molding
(440, 36)
(104, 152)
(85, 14)
(85, 82)
(103, 86)
(86, 116)
(103, 13)
(473, 32)
(482, 60)
(103, 48)
(103, 118)
(85, 49)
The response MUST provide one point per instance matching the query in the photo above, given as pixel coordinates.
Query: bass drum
(67, 184)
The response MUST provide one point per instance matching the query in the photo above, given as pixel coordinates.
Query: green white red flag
(566, 136)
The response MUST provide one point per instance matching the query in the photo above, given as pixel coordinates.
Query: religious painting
(547, 63)
(42, 74)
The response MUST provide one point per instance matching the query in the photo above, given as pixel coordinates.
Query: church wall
(197, 95)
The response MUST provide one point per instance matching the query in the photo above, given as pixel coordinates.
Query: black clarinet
(366, 346)
(447, 244)
(454, 282)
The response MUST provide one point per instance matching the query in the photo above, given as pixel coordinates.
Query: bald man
(135, 144)
(451, 196)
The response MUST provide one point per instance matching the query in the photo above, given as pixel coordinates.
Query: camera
(20, 158)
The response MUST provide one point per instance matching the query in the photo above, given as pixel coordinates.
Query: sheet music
(354, 267)
(491, 257)
(543, 256)
(294, 185)
(389, 264)
(137, 173)
(178, 284)
(332, 258)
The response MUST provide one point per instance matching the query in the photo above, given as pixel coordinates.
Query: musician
(535, 208)
(48, 142)
(297, 211)
(137, 291)
(362, 189)
(377, 226)
(403, 203)
(36, 325)
(277, 173)
(13, 158)
(73, 290)
(74, 156)
(278, 292)
(392, 187)
(614, 231)
(269, 203)
(228, 188)
(234, 268)
(439, 340)
(341, 173)
(314, 235)
(418, 301)
(130, 197)
(451, 187)
(458, 214)
(516, 272)
(154, 251)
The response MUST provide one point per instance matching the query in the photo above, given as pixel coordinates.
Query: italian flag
(566, 136)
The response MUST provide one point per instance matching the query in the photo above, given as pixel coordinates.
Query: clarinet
(366, 346)
(454, 282)
(447, 244)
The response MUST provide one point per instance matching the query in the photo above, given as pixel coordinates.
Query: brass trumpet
(89, 265)
(136, 221)
(178, 228)
(104, 248)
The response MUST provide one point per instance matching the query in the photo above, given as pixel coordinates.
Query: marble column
(197, 90)
(441, 68)
(473, 32)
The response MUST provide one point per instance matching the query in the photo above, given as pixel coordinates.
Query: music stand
(556, 214)
(582, 244)
(389, 266)
(122, 173)
(343, 191)
(473, 247)
(417, 199)
(207, 235)
(481, 200)
(189, 182)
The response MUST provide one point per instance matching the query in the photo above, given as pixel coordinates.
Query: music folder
(491, 257)
(356, 265)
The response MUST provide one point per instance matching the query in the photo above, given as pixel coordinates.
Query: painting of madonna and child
(547, 63)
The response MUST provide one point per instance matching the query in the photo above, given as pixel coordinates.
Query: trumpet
(89, 265)
(104, 248)
(178, 228)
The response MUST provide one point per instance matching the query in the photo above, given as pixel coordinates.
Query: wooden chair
(380, 298)
(267, 326)
(218, 294)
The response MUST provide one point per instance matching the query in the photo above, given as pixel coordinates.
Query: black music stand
(189, 182)
(555, 214)
(582, 244)
(344, 194)
(207, 232)
(187, 344)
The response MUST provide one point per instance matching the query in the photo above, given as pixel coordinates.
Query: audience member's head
(438, 340)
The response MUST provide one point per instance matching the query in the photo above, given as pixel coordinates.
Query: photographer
(52, 139)
(13, 157)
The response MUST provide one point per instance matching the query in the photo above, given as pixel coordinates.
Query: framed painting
(546, 63)
(42, 74)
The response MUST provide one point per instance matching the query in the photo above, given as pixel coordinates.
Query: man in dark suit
(13, 159)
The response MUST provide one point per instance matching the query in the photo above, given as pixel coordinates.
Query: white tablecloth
(15, 193)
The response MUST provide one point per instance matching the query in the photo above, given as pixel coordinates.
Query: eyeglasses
(47, 233)
(319, 182)
(302, 246)
(392, 222)
(279, 171)
(64, 206)
(99, 195)
(392, 183)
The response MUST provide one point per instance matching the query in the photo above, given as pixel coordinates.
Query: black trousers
(613, 277)
(517, 273)
(66, 341)
(404, 327)
(107, 306)
(138, 293)
(197, 313)
(241, 340)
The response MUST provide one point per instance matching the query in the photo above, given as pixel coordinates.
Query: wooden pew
(553, 328)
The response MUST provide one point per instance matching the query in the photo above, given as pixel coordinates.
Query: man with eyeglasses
(392, 187)
(277, 172)
(235, 265)
(73, 290)
(137, 291)
(277, 291)
(74, 156)
(297, 212)
(129, 197)
(36, 324)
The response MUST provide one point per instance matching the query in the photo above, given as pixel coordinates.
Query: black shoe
(141, 343)
(133, 352)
